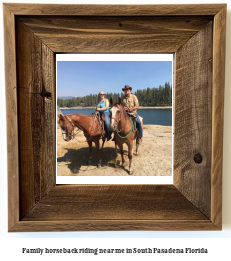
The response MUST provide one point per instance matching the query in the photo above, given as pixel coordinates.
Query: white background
(217, 243)
(113, 179)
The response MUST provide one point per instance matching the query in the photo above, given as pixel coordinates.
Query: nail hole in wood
(198, 158)
(45, 94)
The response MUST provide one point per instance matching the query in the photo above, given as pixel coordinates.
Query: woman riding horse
(103, 108)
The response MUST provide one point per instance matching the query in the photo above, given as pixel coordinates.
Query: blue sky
(79, 78)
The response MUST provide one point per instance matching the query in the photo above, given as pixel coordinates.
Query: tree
(160, 96)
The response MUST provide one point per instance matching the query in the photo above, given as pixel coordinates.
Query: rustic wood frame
(33, 34)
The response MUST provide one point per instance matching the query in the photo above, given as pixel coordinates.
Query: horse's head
(67, 127)
(116, 112)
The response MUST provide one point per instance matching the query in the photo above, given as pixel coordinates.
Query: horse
(91, 126)
(125, 131)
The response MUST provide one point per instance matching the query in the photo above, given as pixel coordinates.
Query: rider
(103, 108)
(131, 104)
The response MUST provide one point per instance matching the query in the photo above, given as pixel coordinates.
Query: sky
(83, 76)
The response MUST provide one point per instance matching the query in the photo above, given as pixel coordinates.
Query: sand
(154, 159)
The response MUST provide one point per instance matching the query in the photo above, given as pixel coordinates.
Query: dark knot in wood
(198, 158)
(45, 94)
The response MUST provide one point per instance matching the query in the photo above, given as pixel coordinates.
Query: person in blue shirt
(103, 108)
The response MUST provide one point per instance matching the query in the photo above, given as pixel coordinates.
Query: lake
(151, 116)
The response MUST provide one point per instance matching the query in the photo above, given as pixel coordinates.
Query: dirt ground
(154, 159)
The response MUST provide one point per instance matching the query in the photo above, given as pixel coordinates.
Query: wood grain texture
(36, 99)
(194, 201)
(115, 10)
(218, 114)
(108, 207)
(193, 126)
(114, 225)
(114, 34)
(12, 117)
(108, 202)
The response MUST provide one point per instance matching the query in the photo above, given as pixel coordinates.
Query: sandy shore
(154, 159)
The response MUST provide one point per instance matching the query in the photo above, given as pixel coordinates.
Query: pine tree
(160, 96)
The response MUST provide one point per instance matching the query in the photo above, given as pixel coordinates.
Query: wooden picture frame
(33, 34)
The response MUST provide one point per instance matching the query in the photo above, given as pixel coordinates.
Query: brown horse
(124, 131)
(90, 125)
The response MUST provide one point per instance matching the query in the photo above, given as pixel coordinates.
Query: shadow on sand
(75, 159)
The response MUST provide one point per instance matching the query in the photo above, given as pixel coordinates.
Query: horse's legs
(137, 146)
(98, 152)
(116, 149)
(104, 138)
(122, 154)
(138, 141)
(130, 149)
(90, 151)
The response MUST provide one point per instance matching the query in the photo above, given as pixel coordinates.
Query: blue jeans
(107, 125)
(139, 126)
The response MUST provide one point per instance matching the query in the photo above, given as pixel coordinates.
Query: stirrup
(140, 139)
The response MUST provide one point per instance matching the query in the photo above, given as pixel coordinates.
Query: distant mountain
(66, 97)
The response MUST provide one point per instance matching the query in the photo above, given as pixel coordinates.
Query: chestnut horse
(91, 127)
(125, 131)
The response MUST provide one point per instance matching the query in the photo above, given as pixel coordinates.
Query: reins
(133, 129)
(133, 126)
(116, 119)
(72, 133)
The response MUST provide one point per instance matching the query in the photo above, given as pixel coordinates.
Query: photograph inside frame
(114, 118)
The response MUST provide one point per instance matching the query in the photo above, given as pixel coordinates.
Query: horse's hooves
(130, 172)
(99, 166)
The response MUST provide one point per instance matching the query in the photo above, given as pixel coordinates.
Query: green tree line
(161, 96)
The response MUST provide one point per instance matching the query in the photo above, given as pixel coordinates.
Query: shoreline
(140, 108)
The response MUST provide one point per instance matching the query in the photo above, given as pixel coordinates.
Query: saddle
(101, 119)
(132, 115)
(134, 119)
(99, 116)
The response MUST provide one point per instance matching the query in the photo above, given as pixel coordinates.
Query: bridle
(133, 126)
(118, 120)
(69, 134)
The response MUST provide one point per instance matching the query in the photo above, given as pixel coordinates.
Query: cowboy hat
(127, 87)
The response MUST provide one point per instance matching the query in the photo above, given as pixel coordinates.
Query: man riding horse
(131, 104)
